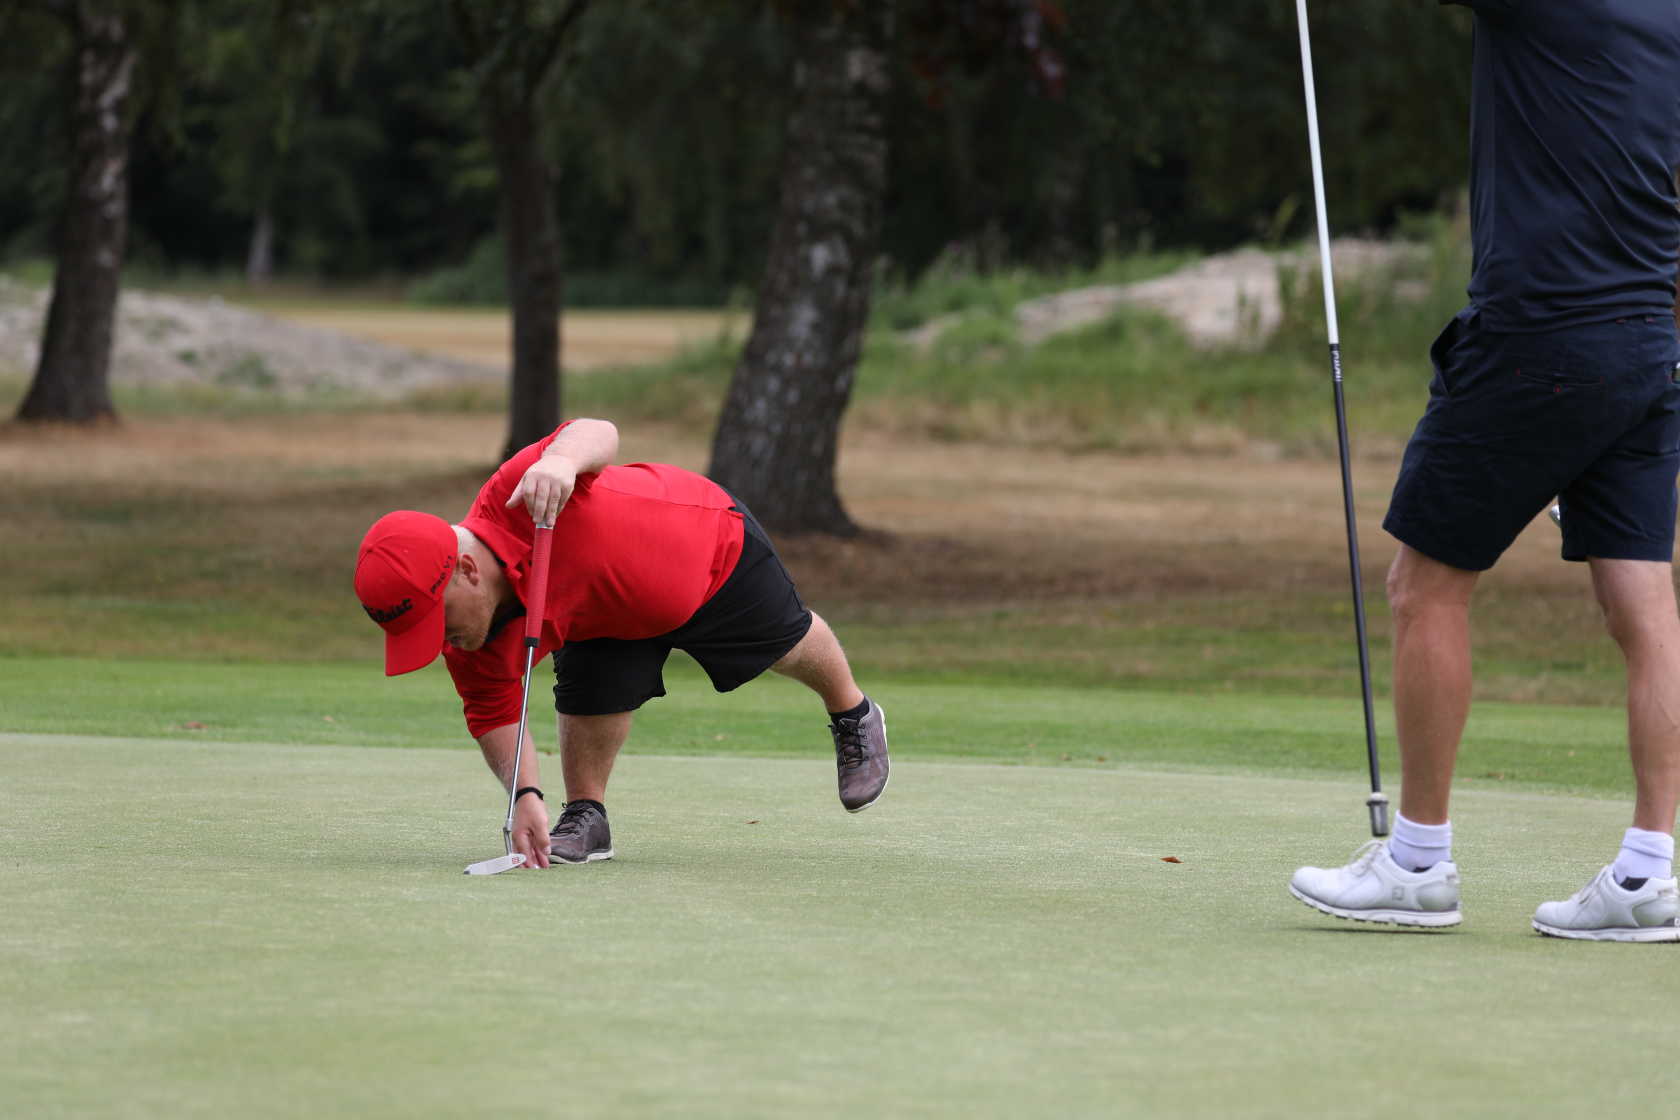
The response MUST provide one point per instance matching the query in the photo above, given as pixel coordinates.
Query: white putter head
(496, 866)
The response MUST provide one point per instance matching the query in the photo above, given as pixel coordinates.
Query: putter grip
(536, 585)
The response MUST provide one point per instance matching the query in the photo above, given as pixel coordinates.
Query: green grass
(1551, 748)
(1129, 383)
(202, 928)
(956, 287)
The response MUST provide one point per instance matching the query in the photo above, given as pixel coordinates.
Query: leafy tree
(513, 48)
(281, 154)
(670, 141)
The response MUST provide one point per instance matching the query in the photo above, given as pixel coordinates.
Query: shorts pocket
(1548, 375)
(1453, 337)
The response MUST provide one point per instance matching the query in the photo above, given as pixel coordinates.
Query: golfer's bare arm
(591, 444)
(497, 747)
(582, 447)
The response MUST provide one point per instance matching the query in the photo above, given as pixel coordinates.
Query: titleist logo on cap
(382, 615)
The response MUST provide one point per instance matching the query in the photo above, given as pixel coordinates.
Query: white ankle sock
(1644, 855)
(1415, 846)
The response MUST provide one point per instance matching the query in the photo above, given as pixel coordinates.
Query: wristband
(523, 790)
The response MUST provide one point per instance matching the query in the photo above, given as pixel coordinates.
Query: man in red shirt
(647, 558)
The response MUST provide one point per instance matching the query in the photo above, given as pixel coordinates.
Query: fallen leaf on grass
(1171, 859)
(752, 822)
(192, 725)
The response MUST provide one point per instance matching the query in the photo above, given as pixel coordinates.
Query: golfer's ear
(466, 567)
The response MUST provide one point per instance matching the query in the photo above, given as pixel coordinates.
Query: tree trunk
(778, 436)
(73, 377)
(531, 230)
(259, 256)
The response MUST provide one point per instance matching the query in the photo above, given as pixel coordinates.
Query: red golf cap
(404, 565)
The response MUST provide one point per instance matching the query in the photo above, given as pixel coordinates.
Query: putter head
(496, 866)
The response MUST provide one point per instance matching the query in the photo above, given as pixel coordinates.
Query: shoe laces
(572, 820)
(1580, 897)
(1365, 856)
(849, 742)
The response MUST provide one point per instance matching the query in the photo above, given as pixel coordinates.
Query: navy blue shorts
(748, 625)
(1590, 414)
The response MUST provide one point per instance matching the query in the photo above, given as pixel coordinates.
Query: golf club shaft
(536, 603)
(518, 753)
(1377, 803)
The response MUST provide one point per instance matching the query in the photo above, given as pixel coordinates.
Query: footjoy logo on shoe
(389, 614)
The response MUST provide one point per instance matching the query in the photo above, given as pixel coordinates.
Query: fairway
(202, 928)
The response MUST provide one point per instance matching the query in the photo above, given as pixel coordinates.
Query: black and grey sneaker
(581, 835)
(860, 753)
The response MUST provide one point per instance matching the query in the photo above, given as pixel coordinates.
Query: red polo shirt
(637, 549)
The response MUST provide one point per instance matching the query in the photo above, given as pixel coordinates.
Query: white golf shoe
(1605, 911)
(1373, 888)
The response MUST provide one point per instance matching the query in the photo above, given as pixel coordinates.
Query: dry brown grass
(200, 537)
(592, 339)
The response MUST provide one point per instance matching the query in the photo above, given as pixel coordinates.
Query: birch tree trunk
(72, 378)
(778, 436)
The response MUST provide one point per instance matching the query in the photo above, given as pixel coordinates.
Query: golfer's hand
(545, 488)
(530, 830)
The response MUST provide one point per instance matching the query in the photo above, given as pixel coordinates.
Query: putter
(535, 601)
(1377, 803)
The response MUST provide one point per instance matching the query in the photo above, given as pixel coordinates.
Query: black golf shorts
(1589, 414)
(748, 625)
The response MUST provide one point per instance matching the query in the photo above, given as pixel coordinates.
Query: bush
(481, 281)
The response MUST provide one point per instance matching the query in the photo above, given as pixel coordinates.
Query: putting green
(203, 929)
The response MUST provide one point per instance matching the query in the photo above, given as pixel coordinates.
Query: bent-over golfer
(1558, 378)
(647, 558)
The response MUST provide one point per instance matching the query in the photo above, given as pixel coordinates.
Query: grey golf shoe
(860, 755)
(581, 835)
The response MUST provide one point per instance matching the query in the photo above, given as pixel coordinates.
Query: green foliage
(687, 389)
(481, 281)
(478, 281)
(1133, 382)
(957, 284)
(1179, 124)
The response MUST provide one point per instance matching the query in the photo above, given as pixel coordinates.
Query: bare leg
(1430, 604)
(588, 748)
(1637, 597)
(819, 663)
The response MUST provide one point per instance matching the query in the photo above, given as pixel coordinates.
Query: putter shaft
(1378, 803)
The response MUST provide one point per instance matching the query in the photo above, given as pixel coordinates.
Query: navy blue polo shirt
(1574, 142)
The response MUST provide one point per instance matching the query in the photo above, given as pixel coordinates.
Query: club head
(496, 866)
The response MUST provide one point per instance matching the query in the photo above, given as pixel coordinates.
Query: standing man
(647, 558)
(1559, 377)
